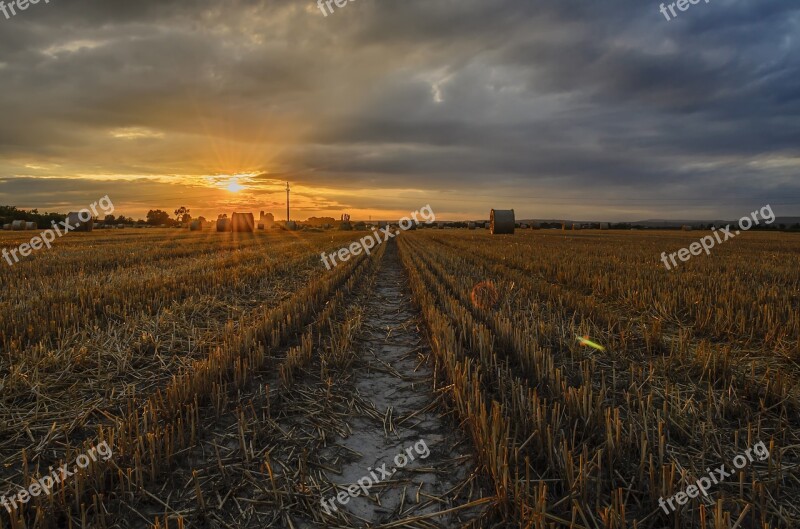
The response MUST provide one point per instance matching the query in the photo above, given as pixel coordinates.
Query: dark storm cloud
(599, 98)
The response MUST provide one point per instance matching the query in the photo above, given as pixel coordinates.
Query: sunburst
(233, 185)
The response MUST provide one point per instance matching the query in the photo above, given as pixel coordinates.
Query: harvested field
(241, 384)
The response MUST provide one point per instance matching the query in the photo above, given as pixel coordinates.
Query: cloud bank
(558, 109)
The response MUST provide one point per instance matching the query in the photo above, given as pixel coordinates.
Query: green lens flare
(587, 341)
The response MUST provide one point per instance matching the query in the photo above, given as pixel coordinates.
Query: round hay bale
(502, 221)
(195, 225)
(470, 225)
(405, 224)
(242, 222)
(74, 219)
(30, 226)
(6, 227)
(291, 225)
(224, 224)
(18, 225)
(346, 226)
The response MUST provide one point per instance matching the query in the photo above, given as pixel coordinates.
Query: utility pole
(287, 201)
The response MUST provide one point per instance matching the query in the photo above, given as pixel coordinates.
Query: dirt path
(419, 457)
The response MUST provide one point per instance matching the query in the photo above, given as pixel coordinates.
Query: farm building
(242, 222)
(502, 221)
(265, 220)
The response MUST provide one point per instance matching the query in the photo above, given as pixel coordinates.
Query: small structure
(502, 222)
(265, 220)
(242, 222)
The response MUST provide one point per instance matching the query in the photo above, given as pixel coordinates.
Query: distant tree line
(157, 217)
(321, 221)
(8, 214)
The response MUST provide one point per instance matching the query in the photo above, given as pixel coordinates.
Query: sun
(234, 186)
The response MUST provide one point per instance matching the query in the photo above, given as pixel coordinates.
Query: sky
(576, 109)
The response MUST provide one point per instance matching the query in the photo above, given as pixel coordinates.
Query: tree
(157, 217)
(182, 214)
(320, 221)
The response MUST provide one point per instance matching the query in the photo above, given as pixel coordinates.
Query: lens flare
(585, 341)
(484, 295)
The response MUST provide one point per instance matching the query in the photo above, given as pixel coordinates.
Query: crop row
(150, 438)
(593, 438)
